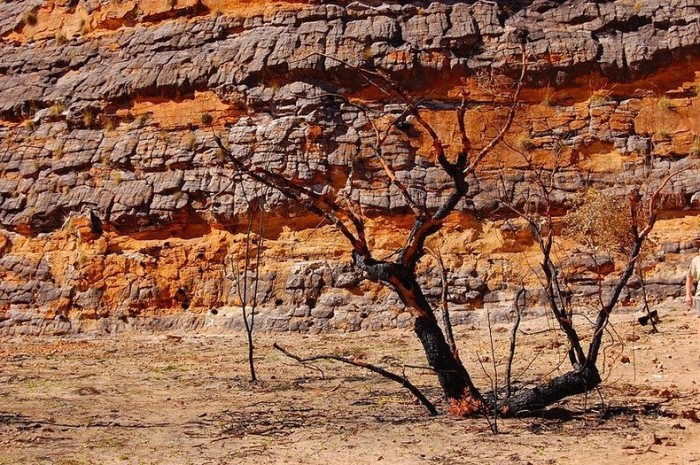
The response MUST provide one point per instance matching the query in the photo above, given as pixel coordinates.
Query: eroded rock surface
(116, 203)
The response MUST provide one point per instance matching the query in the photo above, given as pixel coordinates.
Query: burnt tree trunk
(453, 377)
(532, 400)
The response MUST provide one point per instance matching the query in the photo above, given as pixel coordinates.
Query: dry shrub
(29, 17)
(600, 221)
(89, 117)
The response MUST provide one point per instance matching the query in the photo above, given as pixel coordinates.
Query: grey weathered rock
(278, 73)
(617, 38)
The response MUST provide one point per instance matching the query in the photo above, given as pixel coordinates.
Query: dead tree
(633, 229)
(400, 272)
(247, 278)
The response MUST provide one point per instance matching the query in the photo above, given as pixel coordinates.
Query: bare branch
(386, 374)
(513, 335)
(447, 324)
(509, 120)
(314, 202)
(461, 113)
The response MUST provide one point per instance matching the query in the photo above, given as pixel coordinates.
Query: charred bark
(530, 401)
(453, 377)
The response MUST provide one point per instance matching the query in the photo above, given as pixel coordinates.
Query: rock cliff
(117, 209)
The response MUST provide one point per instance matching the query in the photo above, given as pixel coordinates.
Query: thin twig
(513, 335)
(494, 426)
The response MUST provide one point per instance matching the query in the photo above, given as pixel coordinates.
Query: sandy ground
(136, 399)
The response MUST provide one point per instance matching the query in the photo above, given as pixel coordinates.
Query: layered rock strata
(118, 209)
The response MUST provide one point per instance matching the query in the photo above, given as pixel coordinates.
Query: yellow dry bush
(600, 220)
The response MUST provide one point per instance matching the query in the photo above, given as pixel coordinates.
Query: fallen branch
(387, 374)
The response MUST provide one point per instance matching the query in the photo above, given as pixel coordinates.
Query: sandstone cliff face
(116, 206)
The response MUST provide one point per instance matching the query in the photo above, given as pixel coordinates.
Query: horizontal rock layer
(220, 52)
(117, 205)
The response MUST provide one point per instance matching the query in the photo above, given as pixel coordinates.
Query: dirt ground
(166, 399)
